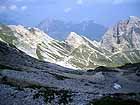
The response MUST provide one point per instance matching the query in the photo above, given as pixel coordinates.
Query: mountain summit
(123, 36)
(74, 40)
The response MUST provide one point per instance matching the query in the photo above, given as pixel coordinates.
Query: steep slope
(27, 81)
(55, 28)
(86, 57)
(25, 39)
(53, 51)
(34, 42)
(123, 36)
(123, 40)
(39, 45)
(120, 45)
(87, 54)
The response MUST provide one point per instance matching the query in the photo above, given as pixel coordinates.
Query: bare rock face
(25, 39)
(123, 36)
(27, 81)
(75, 40)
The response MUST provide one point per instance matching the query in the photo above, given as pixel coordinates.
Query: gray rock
(28, 81)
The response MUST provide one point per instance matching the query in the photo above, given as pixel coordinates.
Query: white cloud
(13, 7)
(23, 8)
(3, 7)
(124, 1)
(66, 10)
(114, 2)
(79, 2)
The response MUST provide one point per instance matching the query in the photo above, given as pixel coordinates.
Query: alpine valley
(119, 45)
(36, 69)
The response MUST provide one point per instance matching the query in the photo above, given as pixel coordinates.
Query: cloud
(124, 1)
(114, 2)
(66, 10)
(3, 7)
(79, 2)
(13, 7)
(23, 8)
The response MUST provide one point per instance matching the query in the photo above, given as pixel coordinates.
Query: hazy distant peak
(59, 29)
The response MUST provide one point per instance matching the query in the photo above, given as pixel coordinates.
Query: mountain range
(59, 29)
(119, 45)
(30, 74)
(25, 80)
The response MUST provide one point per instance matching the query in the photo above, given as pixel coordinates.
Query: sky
(32, 12)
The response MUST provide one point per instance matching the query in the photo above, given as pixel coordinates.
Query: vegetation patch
(4, 80)
(59, 77)
(50, 94)
(62, 97)
(117, 99)
(129, 65)
(5, 67)
(38, 52)
(114, 101)
(102, 69)
(8, 38)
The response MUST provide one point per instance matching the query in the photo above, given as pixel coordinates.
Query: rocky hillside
(27, 81)
(123, 36)
(119, 45)
(25, 39)
(39, 45)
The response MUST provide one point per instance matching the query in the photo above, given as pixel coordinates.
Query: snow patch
(117, 86)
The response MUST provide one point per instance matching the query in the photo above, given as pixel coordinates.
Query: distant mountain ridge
(120, 45)
(60, 29)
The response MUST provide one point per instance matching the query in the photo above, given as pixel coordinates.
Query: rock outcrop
(123, 36)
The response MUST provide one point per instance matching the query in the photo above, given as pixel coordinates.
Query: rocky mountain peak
(135, 18)
(123, 36)
(39, 32)
(30, 33)
(73, 35)
(133, 21)
(74, 40)
(25, 38)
